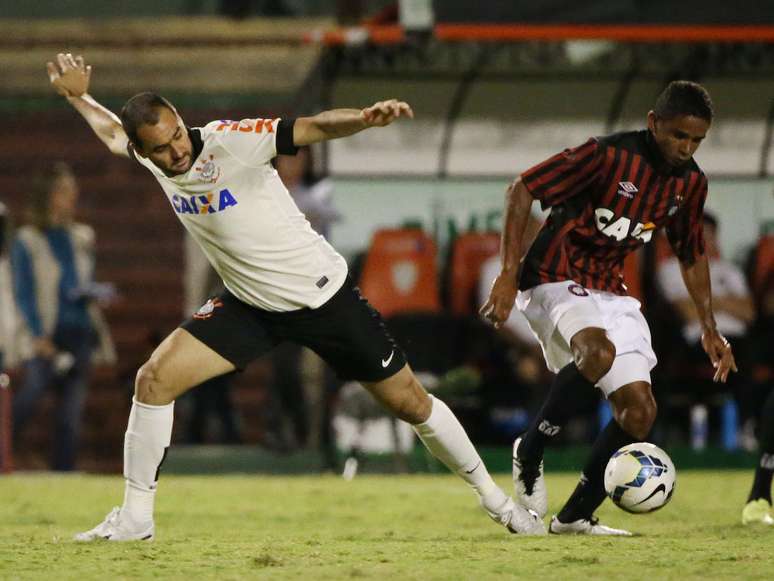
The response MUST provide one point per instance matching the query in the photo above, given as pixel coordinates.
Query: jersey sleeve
(686, 231)
(255, 141)
(565, 174)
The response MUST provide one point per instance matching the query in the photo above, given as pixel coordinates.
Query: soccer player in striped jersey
(606, 198)
(283, 281)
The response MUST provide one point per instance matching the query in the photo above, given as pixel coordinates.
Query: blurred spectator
(758, 359)
(731, 299)
(213, 397)
(53, 271)
(313, 195)
(7, 314)
(733, 307)
(524, 353)
(303, 386)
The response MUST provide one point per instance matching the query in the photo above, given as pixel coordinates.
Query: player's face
(678, 138)
(167, 143)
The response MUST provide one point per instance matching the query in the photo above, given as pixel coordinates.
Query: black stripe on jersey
(286, 145)
(531, 275)
(641, 202)
(611, 162)
(568, 180)
(632, 162)
(545, 176)
(667, 199)
(551, 261)
(616, 171)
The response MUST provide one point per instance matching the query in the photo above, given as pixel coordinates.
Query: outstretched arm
(343, 122)
(697, 280)
(70, 78)
(518, 203)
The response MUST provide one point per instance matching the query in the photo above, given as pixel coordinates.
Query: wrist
(72, 98)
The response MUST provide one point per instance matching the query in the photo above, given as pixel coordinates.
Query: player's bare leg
(634, 411)
(444, 436)
(178, 363)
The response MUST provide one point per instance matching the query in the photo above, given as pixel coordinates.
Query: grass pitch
(377, 527)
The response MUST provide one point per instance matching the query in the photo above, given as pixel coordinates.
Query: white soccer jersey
(237, 209)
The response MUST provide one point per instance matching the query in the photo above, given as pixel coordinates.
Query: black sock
(555, 412)
(761, 487)
(590, 492)
(763, 473)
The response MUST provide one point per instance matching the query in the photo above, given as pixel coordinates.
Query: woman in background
(52, 257)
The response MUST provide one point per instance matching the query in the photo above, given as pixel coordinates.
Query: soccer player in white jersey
(283, 281)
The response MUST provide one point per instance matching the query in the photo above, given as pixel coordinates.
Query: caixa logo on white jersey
(620, 228)
(209, 203)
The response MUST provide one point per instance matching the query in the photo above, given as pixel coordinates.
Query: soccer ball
(640, 478)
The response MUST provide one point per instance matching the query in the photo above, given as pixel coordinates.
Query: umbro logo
(548, 428)
(627, 189)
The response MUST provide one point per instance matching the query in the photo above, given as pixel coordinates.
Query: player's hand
(498, 307)
(385, 112)
(719, 350)
(69, 76)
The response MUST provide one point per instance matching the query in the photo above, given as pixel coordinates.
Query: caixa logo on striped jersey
(209, 203)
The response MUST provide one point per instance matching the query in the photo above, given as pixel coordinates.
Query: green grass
(376, 527)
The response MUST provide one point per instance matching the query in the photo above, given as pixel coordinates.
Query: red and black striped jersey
(607, 197)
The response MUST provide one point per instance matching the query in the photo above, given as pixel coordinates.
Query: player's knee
(148, 387)
(637, 418)
(595, 358)
(410, 402)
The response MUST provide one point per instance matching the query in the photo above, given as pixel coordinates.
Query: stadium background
(493, 92)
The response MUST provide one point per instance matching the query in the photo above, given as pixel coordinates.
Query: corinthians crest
(209, 172)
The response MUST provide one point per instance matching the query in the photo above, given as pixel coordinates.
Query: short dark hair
(684, 98)
(39, 196)
(142, 109)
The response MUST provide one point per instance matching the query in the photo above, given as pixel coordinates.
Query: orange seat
(469, 253)
(400, 274)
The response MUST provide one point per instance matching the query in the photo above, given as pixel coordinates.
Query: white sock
(148, 435)
(446, 439)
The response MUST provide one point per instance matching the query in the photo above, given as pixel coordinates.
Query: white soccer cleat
(517, 519)
(757, 512)
(529, 484)
(113, 528)
(585, 526)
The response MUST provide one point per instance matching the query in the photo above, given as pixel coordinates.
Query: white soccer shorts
(556, 311)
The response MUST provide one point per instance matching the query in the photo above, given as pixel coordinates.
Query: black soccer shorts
(346, 331)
